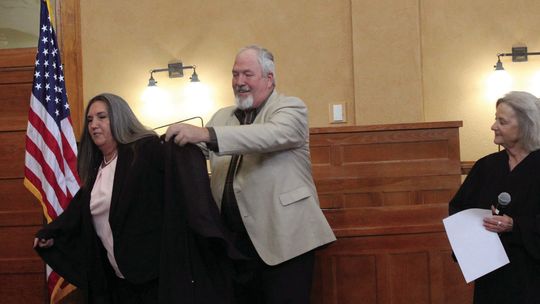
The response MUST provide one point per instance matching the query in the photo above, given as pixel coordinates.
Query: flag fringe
(37, 194)
(59, 293)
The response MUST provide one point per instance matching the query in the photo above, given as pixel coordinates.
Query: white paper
(477, 250)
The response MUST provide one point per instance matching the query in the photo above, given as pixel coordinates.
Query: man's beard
(244, 103)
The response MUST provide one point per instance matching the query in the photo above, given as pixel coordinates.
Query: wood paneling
(14, 102)
(69, 38)
(385, 190)
(13, 196)
(347, 278)
(19, 239)
(27, 288)
(12, 154)
(409, 278)
(14, 58)
(17, 75)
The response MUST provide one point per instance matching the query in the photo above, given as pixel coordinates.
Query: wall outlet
(338, 113)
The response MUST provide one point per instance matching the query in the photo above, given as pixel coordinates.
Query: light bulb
(498, 84)
(157, 107)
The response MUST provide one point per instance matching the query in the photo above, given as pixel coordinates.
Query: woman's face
(99, 126)
(506, 127)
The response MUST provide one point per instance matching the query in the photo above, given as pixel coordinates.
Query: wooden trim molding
(68, 30)
(388, 127)
(466, 166)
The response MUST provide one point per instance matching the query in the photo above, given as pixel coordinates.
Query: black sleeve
(461, 199)
(526, 230)
(67, 254)
(66, 224)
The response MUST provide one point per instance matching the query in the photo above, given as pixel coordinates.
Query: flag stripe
(40, 119)
(36, 164)
(41, 150)
(69, 148)
(33, 184)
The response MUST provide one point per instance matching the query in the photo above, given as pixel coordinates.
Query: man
(261, 179)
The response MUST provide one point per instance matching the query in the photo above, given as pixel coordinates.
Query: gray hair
(527, 108)
(265, 59)
(125, 129)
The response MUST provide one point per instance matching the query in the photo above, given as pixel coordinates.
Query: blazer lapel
(122, 165)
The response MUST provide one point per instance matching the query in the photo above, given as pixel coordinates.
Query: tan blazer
(274, 187)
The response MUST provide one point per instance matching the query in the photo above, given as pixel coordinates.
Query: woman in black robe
(143, 228)
(515, 170)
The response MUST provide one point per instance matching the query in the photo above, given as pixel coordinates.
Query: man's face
(249, 84)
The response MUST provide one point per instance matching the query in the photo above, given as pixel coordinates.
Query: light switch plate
(337, 113)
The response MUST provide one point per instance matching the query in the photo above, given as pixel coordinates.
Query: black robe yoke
(518, 281)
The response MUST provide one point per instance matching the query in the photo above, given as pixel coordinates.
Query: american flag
(51, 150)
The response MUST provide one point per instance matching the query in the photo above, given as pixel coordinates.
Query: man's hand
(185, 133)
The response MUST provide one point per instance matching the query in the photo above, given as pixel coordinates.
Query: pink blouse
(100, 205)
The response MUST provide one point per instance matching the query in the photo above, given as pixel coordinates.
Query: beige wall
(460, 41)
(390, 61)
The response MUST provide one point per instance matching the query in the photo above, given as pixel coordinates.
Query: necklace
(106, 162)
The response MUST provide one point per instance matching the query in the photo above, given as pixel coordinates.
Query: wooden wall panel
(14, 102)
(374, 191)
(385, 190)
(17, 75)
(22, 278)
(388, 169)
(12, 154)
(13, 198)
(353, 288)
(452, 281)
(408, 277)
(406, 268)
(18, 239)
(17, 58)
(391, 151)
(25, 288)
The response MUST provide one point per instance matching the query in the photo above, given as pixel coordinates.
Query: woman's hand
(498, 223)
(43, 243)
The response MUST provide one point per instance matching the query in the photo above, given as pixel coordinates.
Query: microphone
(503, 200)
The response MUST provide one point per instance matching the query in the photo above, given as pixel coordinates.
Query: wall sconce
(155, 95)
(519, 54)
(160, 105)
(157, 103)
(175, 69)
(500, 82)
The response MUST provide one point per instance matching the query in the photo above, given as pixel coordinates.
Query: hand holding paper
(477, 250)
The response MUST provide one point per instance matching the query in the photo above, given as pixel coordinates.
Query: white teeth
(242, 89)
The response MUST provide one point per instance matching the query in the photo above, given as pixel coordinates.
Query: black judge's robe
(165, 225)
(518, 281)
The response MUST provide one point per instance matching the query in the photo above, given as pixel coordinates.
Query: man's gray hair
(527, 108)
(265, 58)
